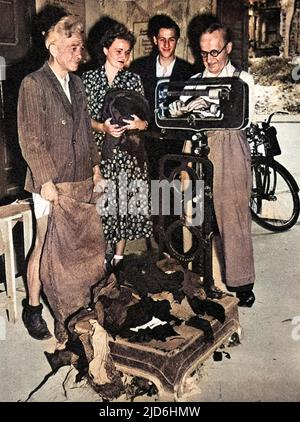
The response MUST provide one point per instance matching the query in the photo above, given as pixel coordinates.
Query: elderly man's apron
(230, 155)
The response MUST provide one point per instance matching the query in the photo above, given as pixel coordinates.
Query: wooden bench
(9, 216)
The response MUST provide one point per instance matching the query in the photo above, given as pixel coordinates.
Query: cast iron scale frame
(159, 362)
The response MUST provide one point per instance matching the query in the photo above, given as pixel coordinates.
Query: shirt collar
(62, 81)
(227, 71)
(165, 71)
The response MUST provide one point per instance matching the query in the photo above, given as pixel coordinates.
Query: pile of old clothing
(146, 277)
(144, 321)
(88, 348)
(128, 312)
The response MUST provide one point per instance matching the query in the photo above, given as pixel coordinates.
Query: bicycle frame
(271, 181)
(263, 190)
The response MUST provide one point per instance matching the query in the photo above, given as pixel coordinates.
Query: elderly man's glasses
(213, 53)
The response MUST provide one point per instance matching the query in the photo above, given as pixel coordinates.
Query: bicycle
(274, 202)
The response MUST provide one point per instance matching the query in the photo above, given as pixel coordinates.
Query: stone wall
(135, 14)
(265, 31)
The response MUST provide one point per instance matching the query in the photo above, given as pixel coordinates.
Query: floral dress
(126, 212)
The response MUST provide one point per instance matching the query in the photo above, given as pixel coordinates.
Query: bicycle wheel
(274, 201)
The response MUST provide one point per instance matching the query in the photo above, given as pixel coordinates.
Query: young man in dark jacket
(161, 63)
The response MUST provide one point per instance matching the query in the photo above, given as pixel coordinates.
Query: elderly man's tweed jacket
(55, 136)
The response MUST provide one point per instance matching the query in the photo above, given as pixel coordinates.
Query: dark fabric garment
(209, 307)
(145, 277)
(215, 310)
(115, 309)
(60, 358)
(169, 264)
(74, 249)
(120, 104)
(73, 354)
(202, 324)
(107, 287)
(55, 136)
(139, 387)
(143, 312)
(139, 314)
(192, 285)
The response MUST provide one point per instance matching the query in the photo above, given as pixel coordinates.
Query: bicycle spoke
(274, 203)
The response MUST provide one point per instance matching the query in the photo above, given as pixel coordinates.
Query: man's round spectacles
(213, 53)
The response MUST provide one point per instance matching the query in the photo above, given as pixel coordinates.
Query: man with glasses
(213, 53)
(230, 155)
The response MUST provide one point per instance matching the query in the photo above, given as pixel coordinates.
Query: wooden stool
(9, 216)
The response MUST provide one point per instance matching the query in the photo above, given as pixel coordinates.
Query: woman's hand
(114, 130)
(135, 124)
(107, 127)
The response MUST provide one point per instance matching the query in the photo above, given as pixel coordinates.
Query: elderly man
(230, 155)
(57, 143)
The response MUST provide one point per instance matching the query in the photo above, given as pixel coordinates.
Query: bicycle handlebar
(273, 114)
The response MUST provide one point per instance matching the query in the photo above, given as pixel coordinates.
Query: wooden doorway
(15, 41)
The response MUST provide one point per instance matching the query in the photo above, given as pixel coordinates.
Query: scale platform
(168, 363)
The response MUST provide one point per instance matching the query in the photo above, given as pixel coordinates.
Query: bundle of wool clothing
(73, 254)
(120, 104)
(145, 277)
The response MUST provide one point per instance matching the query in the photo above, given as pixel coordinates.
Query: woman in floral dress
(121, 221)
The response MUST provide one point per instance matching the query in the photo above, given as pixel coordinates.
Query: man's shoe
(34, 322)
(246, 298)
